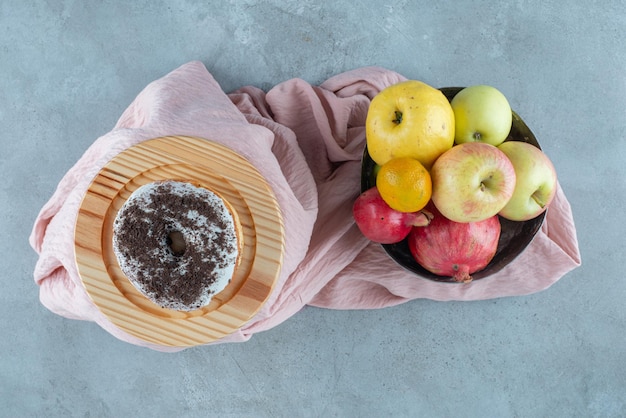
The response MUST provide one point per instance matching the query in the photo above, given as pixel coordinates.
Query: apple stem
(398, 118)
(538, 200)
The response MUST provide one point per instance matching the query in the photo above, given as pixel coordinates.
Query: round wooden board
(204, 163)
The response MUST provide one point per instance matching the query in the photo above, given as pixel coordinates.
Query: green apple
(481, 114)
(536, 181)
(472, 182)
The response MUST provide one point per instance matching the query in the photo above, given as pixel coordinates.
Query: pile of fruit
(445, 172)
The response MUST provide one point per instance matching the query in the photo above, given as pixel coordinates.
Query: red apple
(382, 224)
(472, 182)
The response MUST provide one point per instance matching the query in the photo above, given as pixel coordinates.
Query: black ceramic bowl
(514, 236)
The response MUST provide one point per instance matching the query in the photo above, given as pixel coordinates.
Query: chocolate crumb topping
(175, 243)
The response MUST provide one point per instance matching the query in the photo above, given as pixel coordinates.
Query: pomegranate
(382, 224)
(455, 249)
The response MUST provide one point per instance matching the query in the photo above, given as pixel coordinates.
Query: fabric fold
(307, 142)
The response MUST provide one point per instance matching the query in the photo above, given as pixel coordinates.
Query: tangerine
(404, 184)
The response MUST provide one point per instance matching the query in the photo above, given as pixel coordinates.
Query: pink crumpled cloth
(307, 141)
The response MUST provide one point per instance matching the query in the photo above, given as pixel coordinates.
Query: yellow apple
(481, 114)
(409, 119)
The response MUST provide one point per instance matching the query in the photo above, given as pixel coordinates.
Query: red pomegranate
(454, 249)
(382, 224)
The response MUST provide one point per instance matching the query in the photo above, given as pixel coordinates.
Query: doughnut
(176, 243)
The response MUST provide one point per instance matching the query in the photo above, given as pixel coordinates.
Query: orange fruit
(409, 119)
(404, 184)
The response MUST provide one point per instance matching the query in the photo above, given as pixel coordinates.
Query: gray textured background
(69, 69)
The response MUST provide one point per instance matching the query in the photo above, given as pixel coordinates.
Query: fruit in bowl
(409, 119)
(382, 224)
(481, 114)
(472, 182)
(475, 245)
(404, 184)
(536, 181)
(514, 235)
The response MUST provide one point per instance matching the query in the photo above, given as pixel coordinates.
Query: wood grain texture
(207, 164)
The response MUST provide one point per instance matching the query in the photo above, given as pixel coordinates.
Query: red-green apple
(472, 182)
(536, 181)
(481, 113)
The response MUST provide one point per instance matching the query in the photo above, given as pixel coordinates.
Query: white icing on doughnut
(160, 210)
